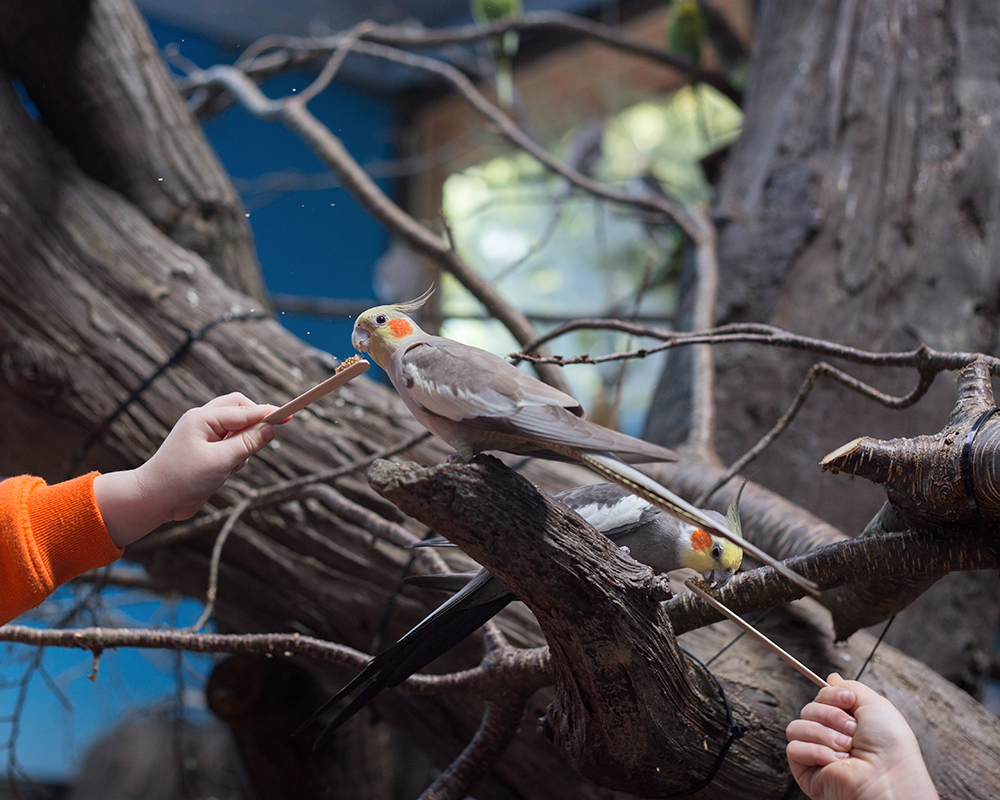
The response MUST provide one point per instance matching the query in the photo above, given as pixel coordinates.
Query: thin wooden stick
(756, 634)
(347, 371)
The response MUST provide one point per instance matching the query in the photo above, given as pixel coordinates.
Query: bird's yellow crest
(378, 330)
(409, 306)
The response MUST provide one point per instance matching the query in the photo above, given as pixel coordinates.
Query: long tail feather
(434, 636)
(366, 674)
(645, 487)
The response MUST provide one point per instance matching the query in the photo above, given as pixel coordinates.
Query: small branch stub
(927, 478)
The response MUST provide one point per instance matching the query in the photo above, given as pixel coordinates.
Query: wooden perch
(923, 476)
(632, 711)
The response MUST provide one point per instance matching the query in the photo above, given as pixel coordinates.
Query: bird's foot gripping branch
(632, 710)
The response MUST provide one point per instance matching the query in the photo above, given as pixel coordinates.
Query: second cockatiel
(646, 533)
(476, 401)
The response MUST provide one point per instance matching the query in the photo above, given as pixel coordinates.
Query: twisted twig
(812, 377)
(331, 150)
(496, 731)
(235, 513)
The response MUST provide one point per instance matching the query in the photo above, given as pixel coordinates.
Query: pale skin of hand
(851, 743)
(202, 451)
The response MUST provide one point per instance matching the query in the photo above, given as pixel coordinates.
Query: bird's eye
(380, 319)
(716, 551)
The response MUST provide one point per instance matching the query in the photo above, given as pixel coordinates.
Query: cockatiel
(646, 533)
(476, 401)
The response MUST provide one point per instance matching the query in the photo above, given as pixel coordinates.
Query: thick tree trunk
(94, 300)
(98, 80)
(861, 205)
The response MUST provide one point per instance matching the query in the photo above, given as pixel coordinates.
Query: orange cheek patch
(701, 540)
(400, 328)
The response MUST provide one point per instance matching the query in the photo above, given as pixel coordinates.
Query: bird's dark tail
(434, 636)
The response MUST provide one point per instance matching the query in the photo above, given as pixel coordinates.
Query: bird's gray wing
(551, 424)
(459, 382)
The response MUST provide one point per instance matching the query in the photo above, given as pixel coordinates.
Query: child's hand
(205, 447)
(852, 744)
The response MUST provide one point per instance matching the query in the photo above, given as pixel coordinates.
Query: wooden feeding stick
(347, 371)
(760, 637)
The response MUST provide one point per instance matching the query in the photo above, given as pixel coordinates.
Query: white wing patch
(453, 402)
(605, 517)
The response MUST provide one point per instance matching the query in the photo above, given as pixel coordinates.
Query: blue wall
(319, 242)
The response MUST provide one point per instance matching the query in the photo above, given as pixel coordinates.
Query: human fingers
(864, 695)
(831, 716)
(230, 399)
(225, 420)
(230, 451)
(809, 754)
(839, 693)
(805, 730)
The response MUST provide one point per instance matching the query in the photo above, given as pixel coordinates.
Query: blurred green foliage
(557, 252)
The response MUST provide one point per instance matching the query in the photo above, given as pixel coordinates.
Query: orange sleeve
(48, 534)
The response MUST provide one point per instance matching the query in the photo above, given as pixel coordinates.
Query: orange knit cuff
(68, 531)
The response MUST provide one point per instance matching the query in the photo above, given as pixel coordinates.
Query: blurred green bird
(685, 34)
(685, 30)
(504, 47)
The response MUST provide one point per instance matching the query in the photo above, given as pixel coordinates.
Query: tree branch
(299, 52)
(127, 127)
(296, 117)
(632, 712)
(947, 478)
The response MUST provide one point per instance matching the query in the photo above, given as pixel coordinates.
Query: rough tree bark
(860, 205)
(100, 91)
(95, 296)
(632, 710)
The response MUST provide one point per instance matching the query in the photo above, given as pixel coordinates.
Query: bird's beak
(717, 577)
(359, 338)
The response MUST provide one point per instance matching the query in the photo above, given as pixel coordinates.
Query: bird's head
(717, 559)
(379, 331)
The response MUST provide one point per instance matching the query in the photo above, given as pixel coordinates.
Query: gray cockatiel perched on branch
(476, 401)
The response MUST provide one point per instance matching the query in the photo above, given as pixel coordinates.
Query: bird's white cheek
(359, 339)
